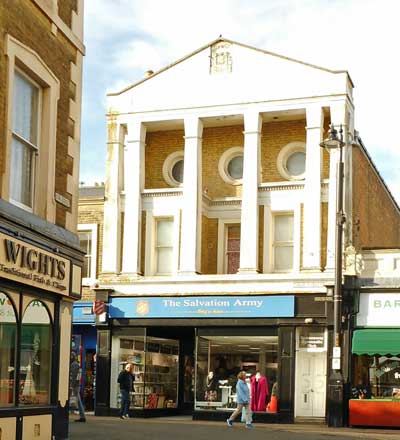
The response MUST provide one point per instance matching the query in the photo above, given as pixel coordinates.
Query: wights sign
(34, 260)
(24, 263)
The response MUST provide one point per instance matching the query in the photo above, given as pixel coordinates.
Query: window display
(219, 360)
(36, 347)
(8, 331)
(155, 369)
(376, 377)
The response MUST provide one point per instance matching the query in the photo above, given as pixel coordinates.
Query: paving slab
(184, 428)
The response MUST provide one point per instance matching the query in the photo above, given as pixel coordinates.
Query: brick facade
(21, 20)
(216, 140)
(376, 219)
(209, 245)
(159, 145)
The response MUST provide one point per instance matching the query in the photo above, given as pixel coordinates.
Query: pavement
(184, 428)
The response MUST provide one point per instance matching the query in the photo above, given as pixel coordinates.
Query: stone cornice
(167, 192)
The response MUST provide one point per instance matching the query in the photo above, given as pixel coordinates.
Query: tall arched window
(36, 346)
(8, 333)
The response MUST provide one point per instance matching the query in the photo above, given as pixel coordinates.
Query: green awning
(376, 341)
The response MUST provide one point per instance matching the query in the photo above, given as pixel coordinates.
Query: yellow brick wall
(325, 154)
(376, 222)
(324, 233)
(159, 145)
(275, 135)
(216, 140)
(88, 294)
(209, 245)
(65, 8)
(23, 20)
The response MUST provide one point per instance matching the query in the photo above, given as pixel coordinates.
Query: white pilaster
(190, 258)
(134, 185)
(338, 117)
(251, 178)
(312, 190)
(112, 203)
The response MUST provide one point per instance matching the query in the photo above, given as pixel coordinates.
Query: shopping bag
(73, 401)
(243, 419)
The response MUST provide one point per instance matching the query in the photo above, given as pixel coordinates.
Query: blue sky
(124, 38)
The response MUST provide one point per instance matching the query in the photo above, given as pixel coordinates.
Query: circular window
(177, 171)
(296, 163)
(235, 167)
(291, 161)
(173, 169)
(230, 166)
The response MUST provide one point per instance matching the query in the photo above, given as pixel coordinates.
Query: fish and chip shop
(187, 350)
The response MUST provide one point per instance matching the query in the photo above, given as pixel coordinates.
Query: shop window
(232, 252)
(283, 242)
(376, 377)
(155, 369)
(88, 241)
(25, 140)
(36, 348)
(221, 358)
(8, 332)
(164, 245)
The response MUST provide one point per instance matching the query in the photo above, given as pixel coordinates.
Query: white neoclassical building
(219, 232)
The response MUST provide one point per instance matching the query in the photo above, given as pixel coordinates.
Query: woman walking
(243, 401)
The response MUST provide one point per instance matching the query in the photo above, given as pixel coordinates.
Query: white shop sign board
(379, 310)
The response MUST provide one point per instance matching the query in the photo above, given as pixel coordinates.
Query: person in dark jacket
(125, 380)
(75, 384)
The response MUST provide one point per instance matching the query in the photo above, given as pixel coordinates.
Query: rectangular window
(25, 140)
(376, 377)
(232, 249)
(164, 246)
(283, 242)
(85, 241)
(87, 234)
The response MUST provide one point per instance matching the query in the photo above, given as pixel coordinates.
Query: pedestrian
(125, 380)
(242, 400)
(75, 384)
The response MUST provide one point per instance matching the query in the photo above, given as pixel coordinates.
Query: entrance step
(310, 420)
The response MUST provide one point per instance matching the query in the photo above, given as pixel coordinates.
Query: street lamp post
(335, 383)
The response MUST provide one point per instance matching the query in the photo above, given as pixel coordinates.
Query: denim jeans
(76, 392)
(125, 402)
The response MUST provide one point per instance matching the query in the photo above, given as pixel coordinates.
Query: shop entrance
(310, 384)
(310, 395)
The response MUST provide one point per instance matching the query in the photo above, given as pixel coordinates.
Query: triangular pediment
(227, 72)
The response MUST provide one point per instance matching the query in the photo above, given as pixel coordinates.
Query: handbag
(243, 419)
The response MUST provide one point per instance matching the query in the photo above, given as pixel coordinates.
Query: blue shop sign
(83, 313)
(203, 307)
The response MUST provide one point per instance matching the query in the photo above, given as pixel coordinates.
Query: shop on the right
(375, 385)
